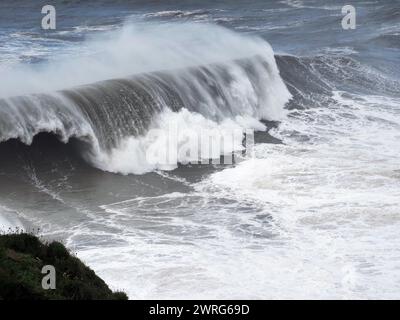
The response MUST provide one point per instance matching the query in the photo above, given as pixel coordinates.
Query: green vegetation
(22, 257)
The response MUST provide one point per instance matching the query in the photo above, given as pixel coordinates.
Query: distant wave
(177, 14)
(389, 40)
(331, 71)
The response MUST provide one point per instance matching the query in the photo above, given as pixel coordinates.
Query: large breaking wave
(139, 79)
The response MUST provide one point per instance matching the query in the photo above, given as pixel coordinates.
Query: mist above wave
(131, 50)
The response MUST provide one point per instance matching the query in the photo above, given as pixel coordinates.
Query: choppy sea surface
(313, 212)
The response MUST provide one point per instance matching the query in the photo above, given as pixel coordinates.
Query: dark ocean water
(314, 214)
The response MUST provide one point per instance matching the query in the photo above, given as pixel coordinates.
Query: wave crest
(109, 113)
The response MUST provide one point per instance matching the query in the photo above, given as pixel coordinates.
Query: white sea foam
(321, 212)
(317, 217)
(334, 197)
(171, 139)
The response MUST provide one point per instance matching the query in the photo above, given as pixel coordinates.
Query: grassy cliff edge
(22, 257)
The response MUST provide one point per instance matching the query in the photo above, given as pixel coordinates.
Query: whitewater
(311, 212)
(218, 77)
